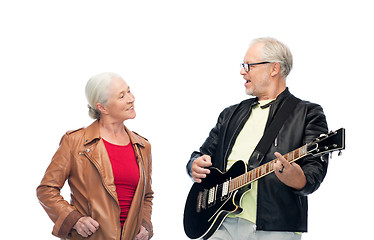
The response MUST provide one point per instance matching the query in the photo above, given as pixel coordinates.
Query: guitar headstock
(333, 141)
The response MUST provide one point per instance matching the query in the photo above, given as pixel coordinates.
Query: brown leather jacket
(83, 161)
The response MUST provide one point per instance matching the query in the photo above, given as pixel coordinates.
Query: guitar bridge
(201, 200)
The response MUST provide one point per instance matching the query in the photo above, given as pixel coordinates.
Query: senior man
(276, 207)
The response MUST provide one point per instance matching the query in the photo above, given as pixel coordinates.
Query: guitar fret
(302, 150)
(266, 168)
(297, 153)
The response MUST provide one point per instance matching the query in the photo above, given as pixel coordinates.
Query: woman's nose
(131, 98)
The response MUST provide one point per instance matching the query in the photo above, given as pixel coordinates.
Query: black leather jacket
(279, 207)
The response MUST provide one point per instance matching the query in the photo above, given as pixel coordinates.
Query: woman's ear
(101, 108)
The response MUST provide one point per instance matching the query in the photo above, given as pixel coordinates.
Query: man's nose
(242, 71)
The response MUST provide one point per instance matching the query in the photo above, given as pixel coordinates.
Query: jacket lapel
(96, 152)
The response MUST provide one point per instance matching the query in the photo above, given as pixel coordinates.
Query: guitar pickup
(225, 190)
(212, 196)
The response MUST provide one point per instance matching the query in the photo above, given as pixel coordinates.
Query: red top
(126, 174)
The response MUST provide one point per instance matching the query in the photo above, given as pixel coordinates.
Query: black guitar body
(207, 204)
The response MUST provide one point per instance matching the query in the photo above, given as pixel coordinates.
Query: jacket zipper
(97, 168)
(232, 137)
(144, 186)
(259, 189)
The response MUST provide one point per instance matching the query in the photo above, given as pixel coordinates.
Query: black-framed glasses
(247, 66)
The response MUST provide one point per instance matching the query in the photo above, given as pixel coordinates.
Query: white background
(181, 59)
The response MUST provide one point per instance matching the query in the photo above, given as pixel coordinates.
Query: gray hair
(97, 91)
(276, 51)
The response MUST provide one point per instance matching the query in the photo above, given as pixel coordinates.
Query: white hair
(276, 51)
(97, 90)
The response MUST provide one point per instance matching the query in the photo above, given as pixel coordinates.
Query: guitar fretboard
(264, 169)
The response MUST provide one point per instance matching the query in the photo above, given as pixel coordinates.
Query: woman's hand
(143, 234)
(86, 226)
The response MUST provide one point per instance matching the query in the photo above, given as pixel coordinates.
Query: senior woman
(108, 168)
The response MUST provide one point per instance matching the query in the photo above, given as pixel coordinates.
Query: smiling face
(120, 104)
(257, 79)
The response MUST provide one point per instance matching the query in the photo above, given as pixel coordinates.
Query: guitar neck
(263, 170)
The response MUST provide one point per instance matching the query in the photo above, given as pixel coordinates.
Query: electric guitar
(209, 202)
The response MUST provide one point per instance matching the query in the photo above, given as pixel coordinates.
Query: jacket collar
(254, 101)
(283, 95)
(93, 134)
(279, 98)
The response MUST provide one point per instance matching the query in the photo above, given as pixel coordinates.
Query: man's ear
(275, 69)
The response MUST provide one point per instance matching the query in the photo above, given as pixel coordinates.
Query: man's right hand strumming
(199, 168)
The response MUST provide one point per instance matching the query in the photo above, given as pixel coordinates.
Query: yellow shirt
(245, 144)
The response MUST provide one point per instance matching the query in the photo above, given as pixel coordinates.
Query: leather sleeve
(48, 192)
(210, 144)
(314, 168)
